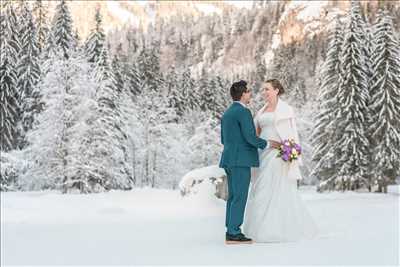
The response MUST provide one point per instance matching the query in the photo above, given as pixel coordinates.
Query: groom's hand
(274, 144)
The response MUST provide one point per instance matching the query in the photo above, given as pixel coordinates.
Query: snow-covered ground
(148, 226)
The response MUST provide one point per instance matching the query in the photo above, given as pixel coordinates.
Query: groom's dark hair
(237, 90)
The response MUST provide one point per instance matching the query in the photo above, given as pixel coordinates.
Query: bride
(275, 212)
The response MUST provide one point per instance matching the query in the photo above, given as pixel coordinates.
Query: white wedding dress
(275, 212)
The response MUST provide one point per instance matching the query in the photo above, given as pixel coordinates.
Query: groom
(238, 135)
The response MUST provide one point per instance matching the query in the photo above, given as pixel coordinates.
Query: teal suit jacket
(238, 135)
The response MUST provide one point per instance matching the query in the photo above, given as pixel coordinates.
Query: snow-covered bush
(12, 165)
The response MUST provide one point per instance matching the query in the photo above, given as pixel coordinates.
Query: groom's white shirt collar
(243, 104)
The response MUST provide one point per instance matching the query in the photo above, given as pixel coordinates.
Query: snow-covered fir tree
(133, 128)
(350, 140)
(96, 40)
(221, 93)
(50, 47)
(149, 67)
(325, 120)
(107, 143)
(190, 94)
(133, 80)
(385, 101)
(28, 70)
(9, 94)
(118, 72)
(175, 92)
(182, 49)
(181, 88)
(154, 115)
(61, 29)
(40, 11)
(205, 143)
(282, 64)
(154, 112)
(205, 92)
(129, 69)
(57, 154)
(261, 69)
(212, 94)
(170, 150)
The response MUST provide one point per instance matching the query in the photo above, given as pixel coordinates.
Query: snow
(394, 189)
(268, 57)
(276, 40)
(308, 11)
(152, 226)
(121, 13)
(208, 8)
(198, 175)
(311, 11)
(140, 2)
(241, 4)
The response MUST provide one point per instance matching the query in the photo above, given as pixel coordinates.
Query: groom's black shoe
(237, 239)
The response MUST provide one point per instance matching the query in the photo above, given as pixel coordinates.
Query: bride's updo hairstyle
(276, 84)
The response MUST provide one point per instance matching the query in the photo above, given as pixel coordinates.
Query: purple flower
(285, 157)
(289, 150)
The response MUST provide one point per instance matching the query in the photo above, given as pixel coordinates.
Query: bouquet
(289, 150)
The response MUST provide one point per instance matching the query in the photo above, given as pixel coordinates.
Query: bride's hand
(274, 144)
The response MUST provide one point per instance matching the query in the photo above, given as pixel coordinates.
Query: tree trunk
(147, 157)
(134, 165)
(153, 175)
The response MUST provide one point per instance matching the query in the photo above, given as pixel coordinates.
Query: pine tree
(175, 92)
(61, 30)
(50, 47)
(205, 92)
(154, 108)
(190, 94)
(134, 129)
(198, 52)
(58, 154)
(133, 82)
(182, 49)
(10, 29)
(118, 73)
(108, 141)
(261, 69)
(212, 92)
(350, 138)
(95, 43)
(154, 114)
(9, 80)
(41, 23)
(239, 23)
(221, 96)
(28, 70)
(76, 41)
(325, 120)
(385, 101)
(283, 66)
(204, 144)
(152, 77)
